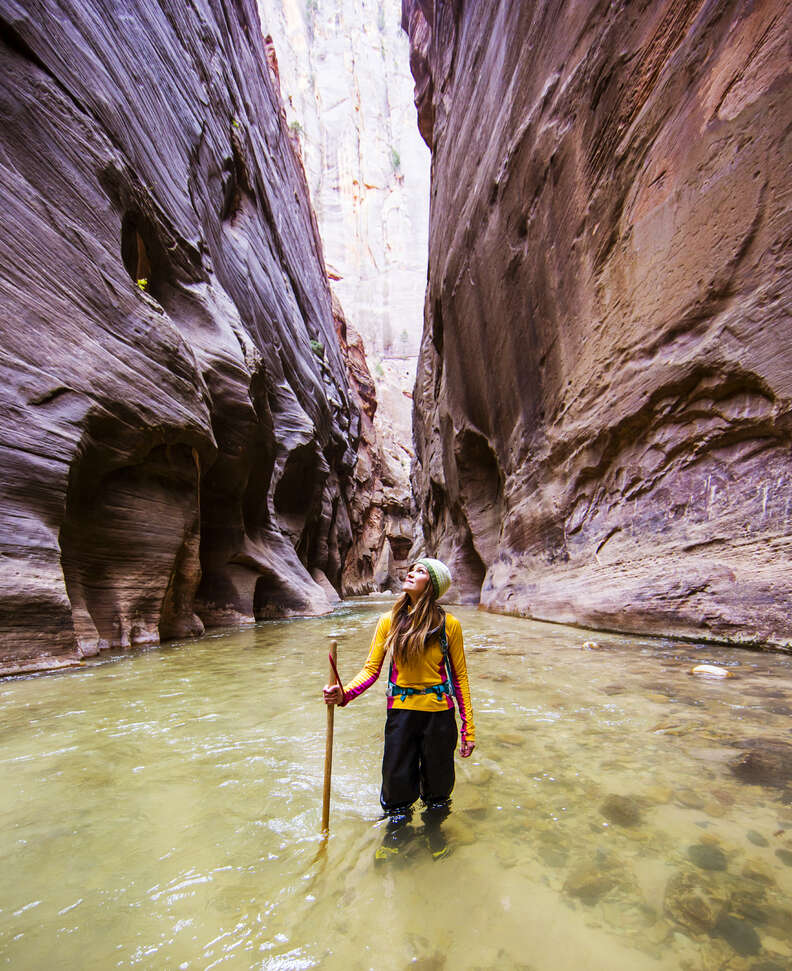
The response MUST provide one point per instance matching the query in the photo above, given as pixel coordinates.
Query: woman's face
(416, 581)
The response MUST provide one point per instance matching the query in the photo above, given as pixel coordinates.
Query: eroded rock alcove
(602, 409)
(179, 437)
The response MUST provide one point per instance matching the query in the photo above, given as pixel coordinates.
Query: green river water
(162, 810)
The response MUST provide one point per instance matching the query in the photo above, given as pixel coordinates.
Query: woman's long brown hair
(409, 628)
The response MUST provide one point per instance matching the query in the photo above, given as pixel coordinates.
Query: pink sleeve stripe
(360, 688)
(458, 696)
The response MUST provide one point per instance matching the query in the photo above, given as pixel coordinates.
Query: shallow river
(161, 810)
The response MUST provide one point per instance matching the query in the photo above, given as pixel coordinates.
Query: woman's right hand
(333, 694)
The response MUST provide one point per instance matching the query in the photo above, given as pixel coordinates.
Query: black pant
(418, 758)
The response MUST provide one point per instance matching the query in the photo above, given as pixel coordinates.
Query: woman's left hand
(466, 749)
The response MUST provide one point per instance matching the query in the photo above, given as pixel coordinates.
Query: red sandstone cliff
(603, 402)
(178, 437)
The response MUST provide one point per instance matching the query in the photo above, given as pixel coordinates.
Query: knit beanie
(439, 574)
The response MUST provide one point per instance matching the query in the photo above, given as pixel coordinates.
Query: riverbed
(161, 809)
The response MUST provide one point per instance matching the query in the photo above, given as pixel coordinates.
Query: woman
(427, 672)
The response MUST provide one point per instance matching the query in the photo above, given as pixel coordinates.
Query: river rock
(785, 856)
(689, 798)
(622, 810)
(739, 933)
(750, 902)
(756, 838)
(604, 387)
(178, 431)
(692, 902)
(588, 883)
(707, 856)
(758, 870)
(764, 762)
(711, 671)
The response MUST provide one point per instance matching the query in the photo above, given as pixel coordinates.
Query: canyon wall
(178, 435)
(345, 79)
(602, 410)
(343, 71)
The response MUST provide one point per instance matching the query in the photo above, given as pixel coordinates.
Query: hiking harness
(444, 688)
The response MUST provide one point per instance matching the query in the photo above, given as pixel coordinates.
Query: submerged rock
(758, 871)
(739, 933)
(765, 762)
(692, 903)
(622, 810)
(707, 856)
(689, 798)
(588, 883)
(756, 838)
(785, 856)
(750, 902)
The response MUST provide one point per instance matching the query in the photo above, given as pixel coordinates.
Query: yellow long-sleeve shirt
(428, 670)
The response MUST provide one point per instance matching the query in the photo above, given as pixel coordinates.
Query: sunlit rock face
(347, 91)
(343, 71)
(178, 436)
(603, 395)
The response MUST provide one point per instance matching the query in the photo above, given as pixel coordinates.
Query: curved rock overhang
(178, 435)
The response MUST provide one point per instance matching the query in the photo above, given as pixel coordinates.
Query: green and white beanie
(439, 574)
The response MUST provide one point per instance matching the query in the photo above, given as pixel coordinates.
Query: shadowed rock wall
(602, 409)
(178, 440)
(383, 531)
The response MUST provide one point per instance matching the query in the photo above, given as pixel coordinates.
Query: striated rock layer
(383, 531)
(178, 439)
(345, 79)
(602, 406)
(346, 85)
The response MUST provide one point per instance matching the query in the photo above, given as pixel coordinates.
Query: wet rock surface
(178, 435)
(602, 410)
(764, 762)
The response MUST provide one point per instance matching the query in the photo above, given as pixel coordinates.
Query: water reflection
(163, 810)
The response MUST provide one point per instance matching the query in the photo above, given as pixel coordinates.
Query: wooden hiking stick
(334, 679)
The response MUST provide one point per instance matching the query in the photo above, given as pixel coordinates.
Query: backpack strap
(444, 688)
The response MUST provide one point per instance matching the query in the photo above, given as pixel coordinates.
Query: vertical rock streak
(602, 408)
(178, 435)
